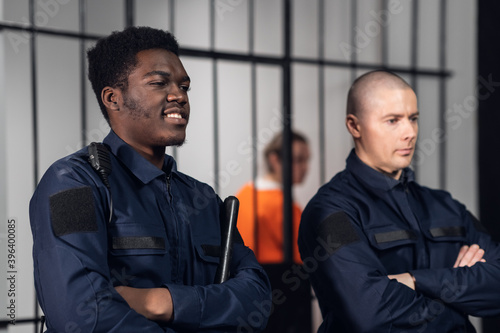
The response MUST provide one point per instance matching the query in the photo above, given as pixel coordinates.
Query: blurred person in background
(261, 226)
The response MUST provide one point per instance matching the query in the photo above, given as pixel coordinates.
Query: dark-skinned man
(141, 255)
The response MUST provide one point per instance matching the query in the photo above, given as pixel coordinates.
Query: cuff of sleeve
(426, 283)
(187, 306)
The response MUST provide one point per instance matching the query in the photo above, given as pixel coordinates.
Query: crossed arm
(153, 303)
(156, 303)
(468, 256)
(198, 307)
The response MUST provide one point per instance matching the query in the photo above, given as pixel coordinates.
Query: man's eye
(158, 83)
(186, 88)
(392, 121)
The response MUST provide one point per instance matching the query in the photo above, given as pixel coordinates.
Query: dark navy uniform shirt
(363, 225)
(164, 232)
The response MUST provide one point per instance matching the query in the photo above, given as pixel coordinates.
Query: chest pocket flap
(387, 239)
(446, 233)
(136, 239)
(209, 253)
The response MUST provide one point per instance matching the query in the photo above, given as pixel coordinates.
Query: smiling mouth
(174, 115)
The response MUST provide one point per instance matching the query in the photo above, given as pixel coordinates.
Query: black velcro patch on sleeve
(336, 231)
(73, 211)
(138, 242)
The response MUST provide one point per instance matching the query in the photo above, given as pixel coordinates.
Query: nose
(176, 94)
(410, 130)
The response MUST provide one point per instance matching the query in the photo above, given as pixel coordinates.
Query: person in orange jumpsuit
(261, 226)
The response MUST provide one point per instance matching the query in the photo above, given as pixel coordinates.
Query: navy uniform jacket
(363, 225)
(164, 231)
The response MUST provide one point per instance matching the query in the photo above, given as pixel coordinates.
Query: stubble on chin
(170, 141)
(176, 143)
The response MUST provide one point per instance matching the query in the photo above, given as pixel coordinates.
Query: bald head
(365, 88)
(382, 117)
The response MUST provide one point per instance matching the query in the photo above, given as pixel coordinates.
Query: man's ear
(353, 126)
(110, 97)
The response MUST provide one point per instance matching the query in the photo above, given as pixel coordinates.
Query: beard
(136, 111)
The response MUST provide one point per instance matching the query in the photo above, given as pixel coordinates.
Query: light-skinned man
(390, 255)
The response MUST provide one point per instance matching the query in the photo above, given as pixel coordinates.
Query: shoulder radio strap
(100, 159)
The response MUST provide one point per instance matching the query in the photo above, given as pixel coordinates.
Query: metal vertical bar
(321, 91)
(34, 111)
(129, 13)
(171, 6)
(172, 29)
(414, 57)
(442, 95)
(83, 81)
(414, 43)
(385, 38)
(253, 92)
(254, 119)
(34, 92)
(354, 22)
(287, 137)
(216, 99)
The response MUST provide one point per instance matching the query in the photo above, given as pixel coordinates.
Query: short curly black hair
(113, 58)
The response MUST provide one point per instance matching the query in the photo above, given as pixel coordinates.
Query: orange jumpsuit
(268, 227)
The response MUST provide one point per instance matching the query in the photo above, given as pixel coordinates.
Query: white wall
(59, 87)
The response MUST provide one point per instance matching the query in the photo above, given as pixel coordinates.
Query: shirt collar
(137, 164)
(264, 184)
(374, 178)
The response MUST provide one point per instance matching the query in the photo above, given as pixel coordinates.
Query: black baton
(228, 225)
